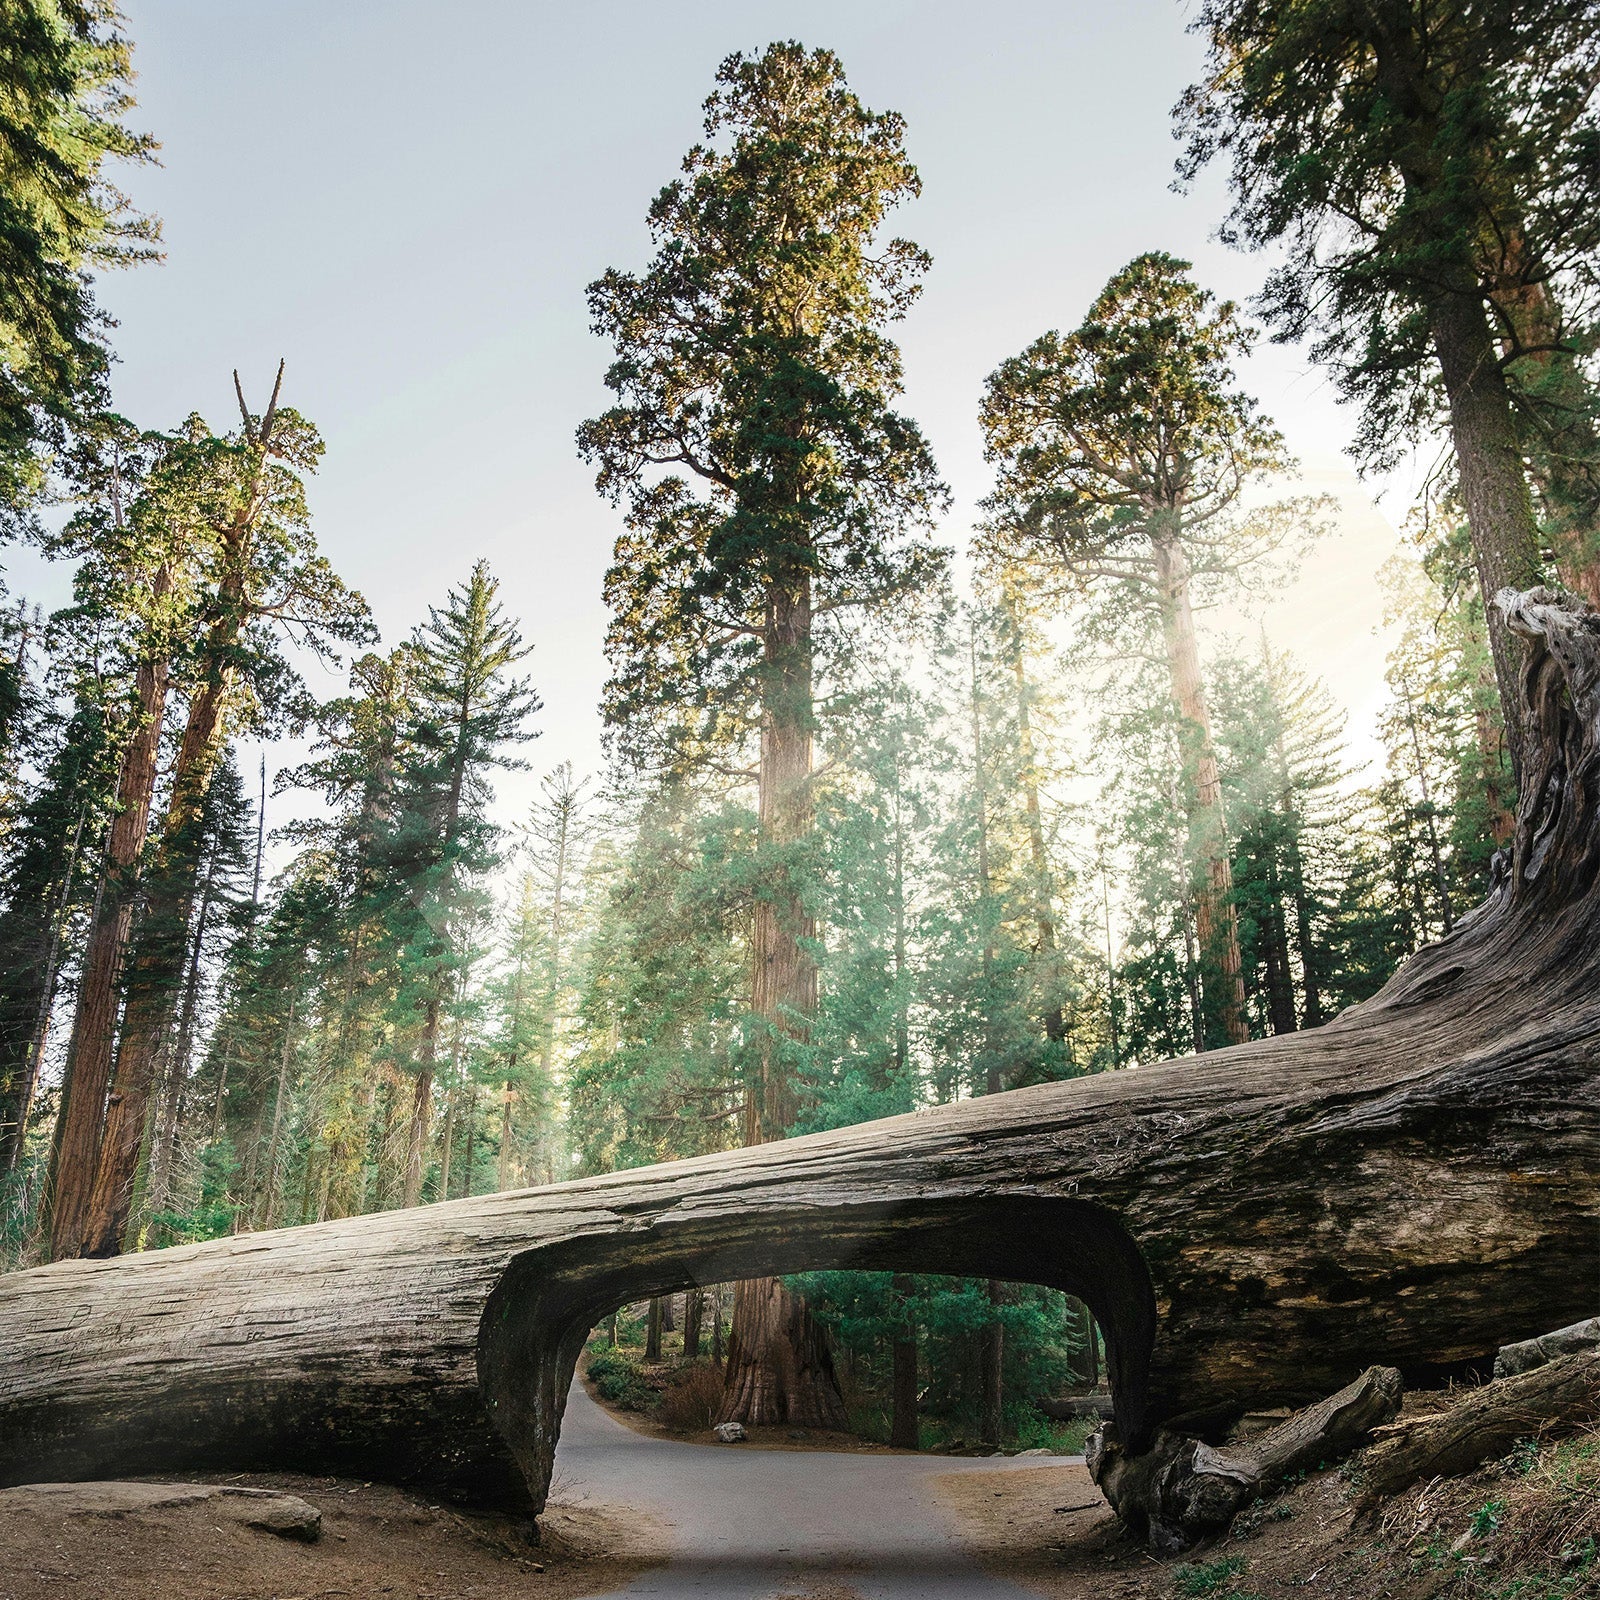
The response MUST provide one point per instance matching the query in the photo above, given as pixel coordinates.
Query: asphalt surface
(764, 1524)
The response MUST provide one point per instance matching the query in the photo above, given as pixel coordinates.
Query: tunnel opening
(536, 1321)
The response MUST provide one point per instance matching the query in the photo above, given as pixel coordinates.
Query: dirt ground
(377, 1543)
(778, 1437)
(1527, 1528)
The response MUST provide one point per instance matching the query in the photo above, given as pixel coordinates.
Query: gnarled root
(1183, 1490)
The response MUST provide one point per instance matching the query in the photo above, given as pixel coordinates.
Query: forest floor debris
(1526, 1527)
(377, 1543)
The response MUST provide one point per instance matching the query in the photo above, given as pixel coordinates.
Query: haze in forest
(408, 213)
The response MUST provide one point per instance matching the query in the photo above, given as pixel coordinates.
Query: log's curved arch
(540, 1312)
(1414, 1184)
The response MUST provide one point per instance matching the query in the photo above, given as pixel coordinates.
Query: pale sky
(406, 200)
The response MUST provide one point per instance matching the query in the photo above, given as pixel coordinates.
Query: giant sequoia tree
(1429, 165)
(1124, 447)
(770, 483)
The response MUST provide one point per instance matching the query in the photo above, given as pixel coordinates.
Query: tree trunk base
(779, 1367)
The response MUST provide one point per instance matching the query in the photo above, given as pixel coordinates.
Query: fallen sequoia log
(1411, 1184)
(1180, 1490)
(1527, 1354)
(1545, 1401)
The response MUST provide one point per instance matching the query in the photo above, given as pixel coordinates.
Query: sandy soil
(377, 1543)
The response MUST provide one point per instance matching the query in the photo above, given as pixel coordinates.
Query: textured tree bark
(75, 1154)
(1182, 1490)
(693, 1312)
(1216, 921)
(1409, 1184)
(1527, 1354)
(153, 988)
(1557, 1397)
(1494, 484)
(792, 1380)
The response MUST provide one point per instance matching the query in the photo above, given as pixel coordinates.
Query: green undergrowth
(1212, 1579)
(619, 1379)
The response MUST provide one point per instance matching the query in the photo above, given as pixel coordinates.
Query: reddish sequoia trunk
(792, 1378)
(693, 1312)
(778, 1367)
(1216, 922)
(153, 991)
(77, 1140)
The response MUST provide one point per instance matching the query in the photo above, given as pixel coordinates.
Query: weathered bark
(1494, 484)
(774, 1373)
(1527, 1354)
(1550, 1399)
(1410, 1183)
(652, 1329)
(1077, 1407)
(1181, 1489)
(1216, 921)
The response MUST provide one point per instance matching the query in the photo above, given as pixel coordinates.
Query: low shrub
(692, 1398)
(619, 1379)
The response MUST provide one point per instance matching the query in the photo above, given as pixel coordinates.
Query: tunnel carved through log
(1413, 1184)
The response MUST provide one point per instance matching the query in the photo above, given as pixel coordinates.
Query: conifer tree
(240, 502)
(471, 706)
(65, 86)
(1124, 448)
(770, 485)
(1429, 169)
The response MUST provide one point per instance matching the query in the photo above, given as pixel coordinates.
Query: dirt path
(758, 1525)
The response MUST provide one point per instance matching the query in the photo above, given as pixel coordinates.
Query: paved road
(759, 1524)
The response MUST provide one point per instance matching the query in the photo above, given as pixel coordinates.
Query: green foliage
(754, 438)
(865, 1311)
(620, 1380)
(1488, 1517)
(1208, 1577)
(65, 85)
(1399, 154)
